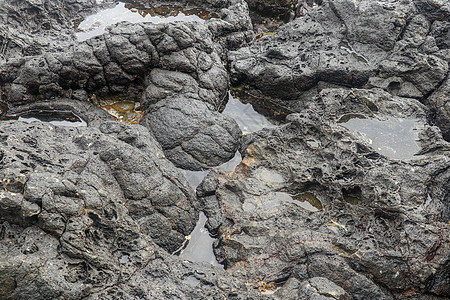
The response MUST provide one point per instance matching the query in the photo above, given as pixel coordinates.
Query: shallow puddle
(127, 112)
(271, 109)
(200, 244)
(95, 25)
(57, 118)
(248, 120)
(245, 115)
(308, 201)
(199, 248)
(196, 177)
(394, 137)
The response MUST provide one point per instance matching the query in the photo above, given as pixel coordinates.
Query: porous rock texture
(119, 62)
(399, 46)
(341, 60)
(85, 211)
(314, 211)
(393, 241)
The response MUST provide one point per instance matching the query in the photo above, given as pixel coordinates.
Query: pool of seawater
(307, 201)
(95, 25)
(395, 138)
(245, 115)
(196, 177)
(57, 118)
(248, 120)
(199, 247)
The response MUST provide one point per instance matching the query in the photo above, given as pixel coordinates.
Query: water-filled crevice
(57, 118)
(199, 244)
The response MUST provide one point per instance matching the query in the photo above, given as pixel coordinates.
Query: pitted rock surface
(54, 175)
(181, 59)
(109, 63)
(38, 264)
(314, 210)
(370, 249)
(301, 53)
(347, 43)
(91, 202)
(94, 212)
(30, 27)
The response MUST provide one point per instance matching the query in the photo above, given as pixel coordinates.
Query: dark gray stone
(346, 43)
(181, 60)
(439, 102)
(316, 210)
(61, 176)
(263, 229)
(193, 136)
(301, 53)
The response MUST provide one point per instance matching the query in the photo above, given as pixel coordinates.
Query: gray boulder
(158, 62)
(315, 199)
(114, 170)
(193, 136)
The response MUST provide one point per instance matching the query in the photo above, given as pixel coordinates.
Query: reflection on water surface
(245, 115)
(394, 137)
(200, 244)
(94, 25)
(57, 118)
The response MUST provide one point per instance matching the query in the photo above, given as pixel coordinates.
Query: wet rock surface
(33, 27)
(347, 199)
(64, 172)
(371, 207)
(314, 65)
(180, 59)
(383, 44)
(84, 212)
